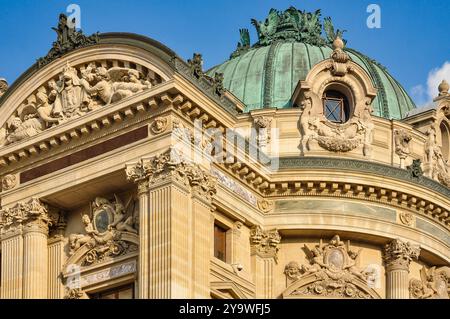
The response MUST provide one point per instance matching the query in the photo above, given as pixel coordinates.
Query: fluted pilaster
(12, 265)
(264, 250)
(172, 264)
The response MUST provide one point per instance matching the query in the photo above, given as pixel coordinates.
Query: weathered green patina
(289, 44)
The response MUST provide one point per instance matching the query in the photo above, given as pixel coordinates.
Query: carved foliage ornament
(265, 242)
(73, 93)
(434, 284)
(332, 272)
(398, 254)
(263, 127)
(104, 233)
(24, 213)
(172, 164)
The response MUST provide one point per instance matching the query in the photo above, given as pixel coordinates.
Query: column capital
(172, 166)
(398, 254)
(265, 243)
(30, 215)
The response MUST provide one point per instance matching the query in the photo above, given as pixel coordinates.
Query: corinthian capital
(265, 242)
(398, 254)
(172, 165)
(24, 214)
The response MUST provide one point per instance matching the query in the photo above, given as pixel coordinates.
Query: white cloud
(418, 94)
(435, 78)
(424, 96)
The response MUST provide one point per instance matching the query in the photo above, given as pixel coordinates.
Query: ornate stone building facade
(299, 168)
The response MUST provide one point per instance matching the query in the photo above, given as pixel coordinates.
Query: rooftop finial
(443, 88)
(3, 86)
(68, 39)
(338, 43)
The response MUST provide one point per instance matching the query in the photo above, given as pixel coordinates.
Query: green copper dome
(266, 74)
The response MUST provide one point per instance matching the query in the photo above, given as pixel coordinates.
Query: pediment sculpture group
(73, 93)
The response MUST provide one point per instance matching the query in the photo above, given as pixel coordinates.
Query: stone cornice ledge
(363, 166)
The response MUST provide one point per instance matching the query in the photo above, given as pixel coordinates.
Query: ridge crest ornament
(68, 40)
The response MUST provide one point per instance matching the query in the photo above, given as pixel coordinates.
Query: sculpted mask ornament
(407, 218)
(332, 272)
(265, 205)
(159, 125)
(73, 93)
(434, 284)
(103, 234)
(265, 242)
(9, 182)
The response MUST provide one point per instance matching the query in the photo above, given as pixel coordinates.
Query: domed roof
(290, 44)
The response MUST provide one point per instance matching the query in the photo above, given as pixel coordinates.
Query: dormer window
(336, 106)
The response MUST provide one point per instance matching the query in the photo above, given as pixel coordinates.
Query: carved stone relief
(9, 182)
(265, 242)
(434, 284)
(402, 139)
(333, 271)
(104, 232)
(435, 166)
(263, 128)
(159, 125)
(332, 136)
(73, 93)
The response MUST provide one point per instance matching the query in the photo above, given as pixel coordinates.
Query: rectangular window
(220, 242)
(124, 292)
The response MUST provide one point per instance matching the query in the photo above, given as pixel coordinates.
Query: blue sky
(413, 42)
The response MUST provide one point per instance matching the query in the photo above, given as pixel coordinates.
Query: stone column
(397, 257)
(12, 261)
(35, 257)
(264, 249)
(24, 249)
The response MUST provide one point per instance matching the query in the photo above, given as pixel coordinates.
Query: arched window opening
(336, 106)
